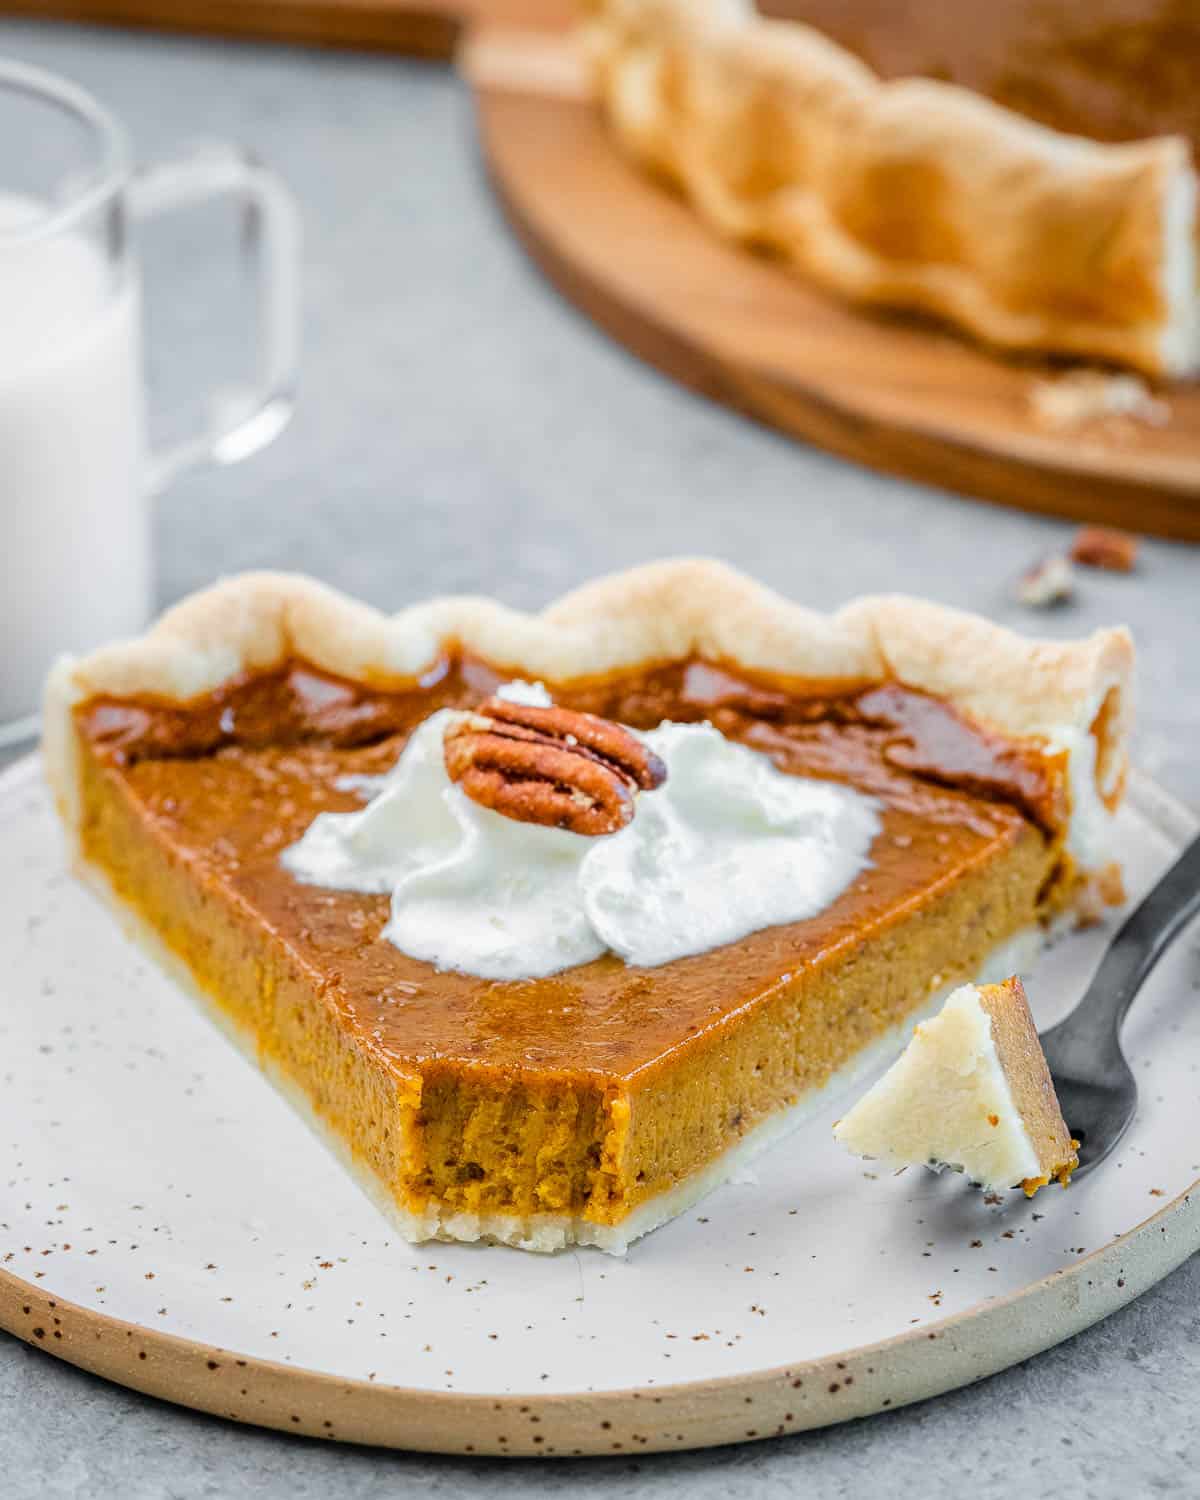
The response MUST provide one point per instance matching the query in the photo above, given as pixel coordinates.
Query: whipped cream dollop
(727, 846)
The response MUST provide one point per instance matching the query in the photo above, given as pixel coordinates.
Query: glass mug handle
(246, 419)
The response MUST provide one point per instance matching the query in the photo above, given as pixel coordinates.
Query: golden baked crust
(912, 193)
(660, 612)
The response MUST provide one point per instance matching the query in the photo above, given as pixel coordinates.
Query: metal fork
(1095, 1084)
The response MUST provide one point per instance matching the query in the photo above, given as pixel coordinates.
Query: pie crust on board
(911, 193)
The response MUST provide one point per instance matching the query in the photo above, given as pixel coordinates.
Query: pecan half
(551, 766)
(1105, 547)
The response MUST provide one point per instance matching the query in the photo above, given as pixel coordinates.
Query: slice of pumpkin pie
(972, 1092)
(546, 922)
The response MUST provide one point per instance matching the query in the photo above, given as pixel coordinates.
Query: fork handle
(1141, 941)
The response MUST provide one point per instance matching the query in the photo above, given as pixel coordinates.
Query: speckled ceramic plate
(167, 1222)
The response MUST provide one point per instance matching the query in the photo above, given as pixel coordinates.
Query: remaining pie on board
(913, 192)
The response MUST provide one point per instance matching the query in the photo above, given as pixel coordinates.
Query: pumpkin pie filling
(582, 1096)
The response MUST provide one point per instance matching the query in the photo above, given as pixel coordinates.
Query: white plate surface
(149, 1174)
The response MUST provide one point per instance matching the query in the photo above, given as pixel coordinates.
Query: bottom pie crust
(548, 1232)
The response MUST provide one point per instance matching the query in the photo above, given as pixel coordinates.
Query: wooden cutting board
(426, 28)
(895, 393)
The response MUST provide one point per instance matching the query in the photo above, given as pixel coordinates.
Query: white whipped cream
(1090, 830)
(727, 846)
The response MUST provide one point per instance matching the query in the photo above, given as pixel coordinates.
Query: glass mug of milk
(77, 476)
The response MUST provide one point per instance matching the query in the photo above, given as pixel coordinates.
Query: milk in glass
(75, 566)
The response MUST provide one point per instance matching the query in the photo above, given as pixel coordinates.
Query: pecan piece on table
(551, 766)
(1105, 547)
(1049, 582)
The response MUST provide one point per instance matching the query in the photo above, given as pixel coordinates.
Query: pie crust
(1047, 699)
(972, 1091)
(912, 193)
(1023, 688)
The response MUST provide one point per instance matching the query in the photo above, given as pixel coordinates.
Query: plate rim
(848, 1383)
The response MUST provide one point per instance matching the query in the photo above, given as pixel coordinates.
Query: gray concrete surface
(461, 428)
